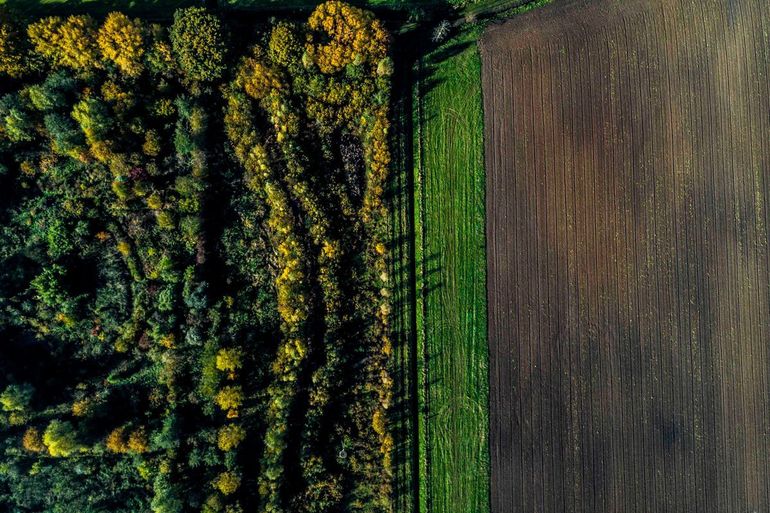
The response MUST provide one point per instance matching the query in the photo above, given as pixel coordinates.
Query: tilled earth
(628, 210)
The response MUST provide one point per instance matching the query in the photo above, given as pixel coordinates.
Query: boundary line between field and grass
(468, 29)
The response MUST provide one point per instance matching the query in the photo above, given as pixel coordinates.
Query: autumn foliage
(121, 41)
(341, 34)
(193, 241)
(69, 42)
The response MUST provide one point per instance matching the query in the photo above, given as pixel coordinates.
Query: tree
(285, 47)
(16, 397)
(342, 34)
(32, 440)
(15, 121)
(60, 439)
(94, 119)
(230, 436)
(116, 441)
(137, 441)
(230, 398)
(70, 43)
(441, 31)
(258, 79)
(229, 360)
(198, 41)
(64, 133)
(121, 41)
(227, 482)
(52, 93)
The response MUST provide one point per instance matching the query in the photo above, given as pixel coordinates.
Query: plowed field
(628, 204)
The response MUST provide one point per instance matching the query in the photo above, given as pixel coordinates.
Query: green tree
(52, 93)
(94, 119)
(60, 439)
(17, 398)
(16, 122)
(64, 133)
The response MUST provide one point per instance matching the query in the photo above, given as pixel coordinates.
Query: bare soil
(628, 210)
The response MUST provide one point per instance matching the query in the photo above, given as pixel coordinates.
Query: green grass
(451, 281)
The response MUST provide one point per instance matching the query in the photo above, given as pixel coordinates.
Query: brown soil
(628, 211)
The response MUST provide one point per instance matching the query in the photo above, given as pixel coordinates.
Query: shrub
(198, 41)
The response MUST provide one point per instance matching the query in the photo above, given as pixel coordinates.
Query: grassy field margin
(450, 259)
(450, 262)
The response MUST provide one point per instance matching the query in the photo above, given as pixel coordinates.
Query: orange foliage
(32, 440)
(116, 441)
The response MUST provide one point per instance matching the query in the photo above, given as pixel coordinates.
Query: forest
(194, 282)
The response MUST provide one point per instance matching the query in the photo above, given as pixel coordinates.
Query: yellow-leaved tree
(341, 34)
(230, 436)
(230, 398)
(67, 42)
(121, 41)
(229, 360)
(227, 482)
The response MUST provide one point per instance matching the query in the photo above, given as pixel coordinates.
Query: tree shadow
(150, 9)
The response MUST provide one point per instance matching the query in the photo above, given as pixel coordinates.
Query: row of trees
(217, 285)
